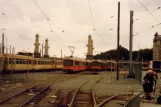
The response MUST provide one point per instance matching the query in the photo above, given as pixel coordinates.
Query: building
(157, 47)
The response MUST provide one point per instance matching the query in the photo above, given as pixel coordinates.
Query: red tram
(73, 64)
(88, 64)
(111, 65)
(99, 65)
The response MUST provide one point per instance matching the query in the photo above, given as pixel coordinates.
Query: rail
(125, 98)
(45, 88)
(89, 94)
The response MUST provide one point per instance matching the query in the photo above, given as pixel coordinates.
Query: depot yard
(64, 85)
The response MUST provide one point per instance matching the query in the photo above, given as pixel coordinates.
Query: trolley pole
(118, 40)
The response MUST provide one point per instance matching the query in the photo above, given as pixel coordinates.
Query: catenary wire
(44, 14)
(148, 11)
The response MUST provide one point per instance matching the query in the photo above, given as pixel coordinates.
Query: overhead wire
(48, 22)
(148, 29)
(148, 11)
(93, 23)
(157, 7)
(156, 3)
(45, 15)
(91, 14)
(152, 16)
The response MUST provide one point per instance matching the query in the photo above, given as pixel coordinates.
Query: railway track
(121, 100)
(88, 99)
(34, 94)
(83, 99)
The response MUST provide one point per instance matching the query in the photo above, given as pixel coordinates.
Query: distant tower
(92, 47)
(89, 48)
(46, 48)
(157, 47)
(36, 51)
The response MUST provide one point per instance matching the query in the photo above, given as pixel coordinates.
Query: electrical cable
(44, 14)
(156, 3)
(91, 14)
(89, 5)
(148, 28)
(48, 21)
(148, 11)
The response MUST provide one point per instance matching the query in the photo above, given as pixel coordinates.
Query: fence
(136, 69)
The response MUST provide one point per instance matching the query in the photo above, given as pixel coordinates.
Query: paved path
(149, 105)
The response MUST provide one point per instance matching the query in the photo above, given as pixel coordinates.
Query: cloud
(23, 20)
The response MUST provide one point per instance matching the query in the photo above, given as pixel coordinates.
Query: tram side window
(24, 61)
(35, 62)
(29, 61)
(9, 60)
(77, 63)
(40, 62)
(45, 62)
(87, 63)
(68, 62)
(17, 61)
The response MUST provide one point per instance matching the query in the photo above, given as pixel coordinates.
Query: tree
(145, 54)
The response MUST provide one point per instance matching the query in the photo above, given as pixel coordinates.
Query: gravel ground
(110, 86)
(62, 88)
(11, 84)
(14, 83)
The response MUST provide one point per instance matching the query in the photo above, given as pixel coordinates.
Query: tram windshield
(68, 62)
(95, 63)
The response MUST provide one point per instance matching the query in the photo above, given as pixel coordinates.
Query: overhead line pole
(131, 74)
(118, 40)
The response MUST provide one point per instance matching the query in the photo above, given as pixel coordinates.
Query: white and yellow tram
(12, 62)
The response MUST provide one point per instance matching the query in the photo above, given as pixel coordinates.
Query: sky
(71, 23)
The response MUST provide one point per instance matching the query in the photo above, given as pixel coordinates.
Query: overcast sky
(22, 20)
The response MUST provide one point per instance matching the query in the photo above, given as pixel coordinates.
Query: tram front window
(68, 63)
(95, 63)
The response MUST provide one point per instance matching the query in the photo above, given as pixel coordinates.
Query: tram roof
(73, 58)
